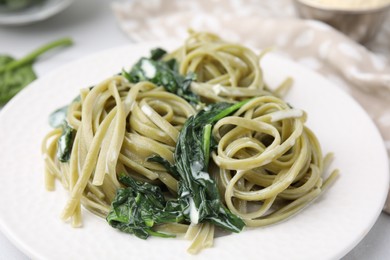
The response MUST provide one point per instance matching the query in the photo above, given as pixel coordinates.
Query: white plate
(328, 229)
(34, 13)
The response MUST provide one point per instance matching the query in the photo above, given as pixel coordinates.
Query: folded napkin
(363, 73)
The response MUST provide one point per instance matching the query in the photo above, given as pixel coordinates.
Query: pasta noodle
(267, 165)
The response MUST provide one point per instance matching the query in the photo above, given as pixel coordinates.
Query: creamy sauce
(204, 176)
(197, 167)
(150, 70)
(194, 213)
(62, 142)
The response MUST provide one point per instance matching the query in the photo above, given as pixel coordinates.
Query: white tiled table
(92, 26)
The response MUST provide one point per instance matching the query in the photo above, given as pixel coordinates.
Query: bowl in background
(359, 23)
(28, 13)
(17, 5)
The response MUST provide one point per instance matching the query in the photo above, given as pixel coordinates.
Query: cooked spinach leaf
(16, 74)
(167, 165)
(139, 207)
(58, 117)
(163, 73)
(198, 193)
(157, 54)
(65, 142)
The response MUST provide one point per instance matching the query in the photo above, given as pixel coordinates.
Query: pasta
(267, 165)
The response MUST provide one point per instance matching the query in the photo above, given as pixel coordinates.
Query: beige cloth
(363, 73)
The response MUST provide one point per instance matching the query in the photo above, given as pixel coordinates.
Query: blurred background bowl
(17, 5)
(30, 11)
(361, 24)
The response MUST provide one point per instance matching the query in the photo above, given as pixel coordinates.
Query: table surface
(93, 27)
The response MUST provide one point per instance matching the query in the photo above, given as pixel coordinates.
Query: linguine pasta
(267, 165)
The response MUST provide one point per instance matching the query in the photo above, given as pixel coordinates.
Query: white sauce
(199, 107)
(205, 109)
(283, 114)
(148, 68)
(204, 176)
(197, 167)
(194, 213)
(185, 193)
(62, 142)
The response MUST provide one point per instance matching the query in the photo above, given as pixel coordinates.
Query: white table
(92, 26)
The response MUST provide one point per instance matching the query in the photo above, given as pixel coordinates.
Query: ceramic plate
(327, 229)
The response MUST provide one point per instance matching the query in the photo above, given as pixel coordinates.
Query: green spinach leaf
(12, 81)
(65, 142)
(167, 165)
(163, 73)
(139, 207)
(58, 117)
(198, 193)
(157, 54)
(16, 74)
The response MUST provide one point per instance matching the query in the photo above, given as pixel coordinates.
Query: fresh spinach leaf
(163, 73)
(16, 74)
(12, 81)
(139, 207)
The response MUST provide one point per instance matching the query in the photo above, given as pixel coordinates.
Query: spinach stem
(229, 110)
(206, 143)
(34, 54)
